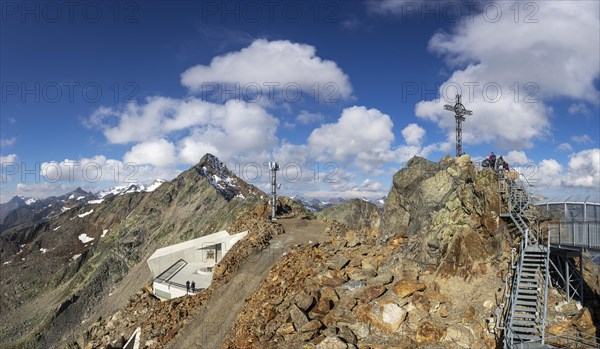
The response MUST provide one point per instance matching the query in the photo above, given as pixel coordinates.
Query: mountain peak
(17, 200)
(211, 161)
(223, 179)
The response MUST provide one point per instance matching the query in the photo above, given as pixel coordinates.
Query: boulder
(361, 274)
(405, 288)
(338, 262)
(428, 333)
(584, 322)
(304, 301)
(381, 279)
(385, 315)
(286, 328)
(347, 335)
(367, 294)
(332, 343)
(459, 335)
(311, 326)
(360, 329)
(298, 317)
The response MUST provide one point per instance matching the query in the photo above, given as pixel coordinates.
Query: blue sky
(89, 87)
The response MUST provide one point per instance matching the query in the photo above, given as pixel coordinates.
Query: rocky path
(214, 321)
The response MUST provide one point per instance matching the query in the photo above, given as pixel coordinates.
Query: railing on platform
(570, 338)
(577, 234)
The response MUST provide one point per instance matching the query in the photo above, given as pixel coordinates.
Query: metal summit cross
(459, 113)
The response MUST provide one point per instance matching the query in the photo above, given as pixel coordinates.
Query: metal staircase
(526, 316)
(529, 299)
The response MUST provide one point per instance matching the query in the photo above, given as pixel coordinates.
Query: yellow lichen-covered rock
(428, 333)
(405, 288)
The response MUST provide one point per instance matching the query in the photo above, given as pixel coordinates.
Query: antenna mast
(274, 168)
(459, 113)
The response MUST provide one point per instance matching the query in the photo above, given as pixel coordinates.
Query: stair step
(528, 274)
(535, 248)
(519, 297)
(525, 306)
(527, 290)
(525, 329)
(525, 323)
(528, 337)
(531, 269)
(525, 316)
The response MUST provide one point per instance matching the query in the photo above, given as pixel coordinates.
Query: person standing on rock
(193, 286)
(500, 164)
(187, 287)
(493, 161)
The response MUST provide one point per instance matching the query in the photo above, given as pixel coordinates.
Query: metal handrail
(546, 282)
(578, 338)
(509, 339)
(513, 295)
(588, 237)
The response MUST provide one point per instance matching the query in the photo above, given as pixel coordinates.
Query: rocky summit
(430, 270)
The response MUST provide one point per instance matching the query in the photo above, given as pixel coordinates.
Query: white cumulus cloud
(305, 117)
(584, 169)
(158, 152)
(10, 158)
(7, 142)
(413, 134)
(266, 62)
(582, 139)
(506, 88)
(358, 131)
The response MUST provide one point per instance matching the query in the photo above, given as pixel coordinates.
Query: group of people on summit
(494, 163)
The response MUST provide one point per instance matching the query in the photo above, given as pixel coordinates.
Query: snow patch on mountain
(84, 238)
(85, 213)
(154, 185)
(126, 189)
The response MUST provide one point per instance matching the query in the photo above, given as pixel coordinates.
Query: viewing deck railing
(575, 234)
(165, 277)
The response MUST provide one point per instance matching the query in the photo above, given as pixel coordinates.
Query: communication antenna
(459, 113)
(274, 168)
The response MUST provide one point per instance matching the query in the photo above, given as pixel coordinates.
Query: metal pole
(274, 167)
(566, 261)
(458, 136)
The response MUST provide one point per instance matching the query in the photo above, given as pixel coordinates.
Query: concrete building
(190, 261)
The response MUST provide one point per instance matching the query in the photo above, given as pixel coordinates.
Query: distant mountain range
(316, 205)
(20, 210)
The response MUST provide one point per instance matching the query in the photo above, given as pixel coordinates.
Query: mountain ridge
(89, 253)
